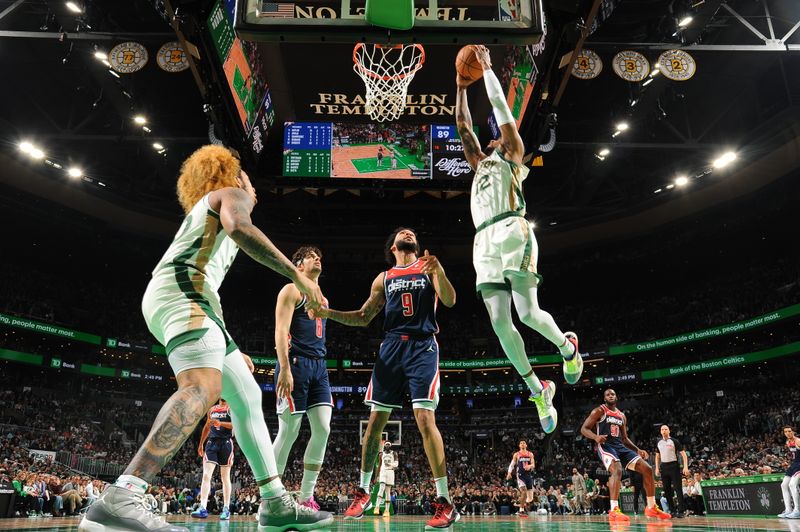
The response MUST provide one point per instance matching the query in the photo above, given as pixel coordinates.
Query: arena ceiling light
(655, 72)
(25, 146)
(75, 172)
(685, 21)
(681, 181)
(113, 73)
(647, 82)
(101, 55)
(724, 160)
(75, 8)
(140, 119)
(603, 152)
(158, 146)
(622, 126)
(36, 153)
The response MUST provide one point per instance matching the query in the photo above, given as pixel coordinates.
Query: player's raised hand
(285, 384)
(482, 55)
(463, 83)
(431, 264)
(249, 362)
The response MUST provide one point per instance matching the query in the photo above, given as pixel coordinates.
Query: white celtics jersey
(388, 461)
(496, 189)
(182, 299)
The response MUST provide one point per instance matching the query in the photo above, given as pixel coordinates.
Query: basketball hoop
(387, 71)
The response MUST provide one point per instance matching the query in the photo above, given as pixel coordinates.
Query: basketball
(467, 64)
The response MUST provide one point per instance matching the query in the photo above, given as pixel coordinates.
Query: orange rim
(367, 72)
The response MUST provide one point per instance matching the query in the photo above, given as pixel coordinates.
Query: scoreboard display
(373, 151)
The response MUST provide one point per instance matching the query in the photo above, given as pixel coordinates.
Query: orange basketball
(467, 64)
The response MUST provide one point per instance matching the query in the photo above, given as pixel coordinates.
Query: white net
(387, 71)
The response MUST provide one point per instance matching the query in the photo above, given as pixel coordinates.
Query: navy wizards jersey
(223, 415)
(794, 452)
(611, 425)
(524, 458)
(306, 336)
(410, 301)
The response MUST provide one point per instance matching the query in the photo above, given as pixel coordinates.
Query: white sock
(534, 384)
(567, 349)
(614, 504)
(441, 488)
(365, 480)
(308, 483)
(273, 488)
(130, 482)
(651, 502)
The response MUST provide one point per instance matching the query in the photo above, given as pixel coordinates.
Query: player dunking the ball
(505, 251)
(408, 361)
(301, 376)
(216, 449)
(521, 466)
(617, 451)
(182, 309)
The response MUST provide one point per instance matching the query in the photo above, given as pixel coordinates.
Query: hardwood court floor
(466, 524)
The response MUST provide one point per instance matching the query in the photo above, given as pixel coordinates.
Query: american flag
(277, 10)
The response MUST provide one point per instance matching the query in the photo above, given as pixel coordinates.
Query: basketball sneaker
(311, 502)
(376, 510)
(200, 513)
(361, 503)
(573, 366)
(784, 513)
(793, 515)
(122, 509)
(445, 514)
(548, 416)
(277, 514)
(616, 516)
(225, 515)
(656, 512)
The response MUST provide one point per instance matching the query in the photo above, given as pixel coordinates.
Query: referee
(667, 468)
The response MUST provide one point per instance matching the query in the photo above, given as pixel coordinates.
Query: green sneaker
(573, 368)
(548, 416)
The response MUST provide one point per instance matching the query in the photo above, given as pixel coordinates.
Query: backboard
(518, 22)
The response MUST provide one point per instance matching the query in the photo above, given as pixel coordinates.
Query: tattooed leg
(372, 439)
(198, 390)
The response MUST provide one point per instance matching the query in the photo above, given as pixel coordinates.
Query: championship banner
(736, 327)
(47, 328)
(588, 65)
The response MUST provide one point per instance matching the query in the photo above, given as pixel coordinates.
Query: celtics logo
(763, 497)
(631, 66)
(588, 65)
(172, 58)
(128, 57)
(677, 65)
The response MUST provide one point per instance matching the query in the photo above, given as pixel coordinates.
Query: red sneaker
(616, 516)
(656, 512)
(361, 503)
(445, 515)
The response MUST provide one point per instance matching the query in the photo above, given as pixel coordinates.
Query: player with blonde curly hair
(182, 309)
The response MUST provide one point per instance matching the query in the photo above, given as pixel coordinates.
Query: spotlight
(725, 159)
(685, 21)
(533, 224)
(622, 126)
(75, 172)
(105, 62)
(670, 186)
(101, 55)
(604, 152)
(681, 181)
(648, 82)
(655, 72)
(139, 119)
(146, 129)
(158, 146)
(36, 153)
(25, 146)
(656, 191)
(113, 73)
(72, 6)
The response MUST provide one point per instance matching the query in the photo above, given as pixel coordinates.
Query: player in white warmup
(388, 463)
(505, 251)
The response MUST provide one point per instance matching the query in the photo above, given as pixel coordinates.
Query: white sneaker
(793, 515)
(122, 509)
(784, 513)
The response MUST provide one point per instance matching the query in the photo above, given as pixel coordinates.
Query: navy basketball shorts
(524, 481)
(405, 364)
(219, 451)
(617, 453)
(311, 385)
(793, 470)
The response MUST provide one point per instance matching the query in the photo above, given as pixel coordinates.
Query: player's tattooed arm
(472, 149)
(235, 209)
(363, 316)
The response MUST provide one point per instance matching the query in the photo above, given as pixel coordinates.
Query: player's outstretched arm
(288, 298)
(444, 288)
(472, 148)
(236, 206)
(509, 135)
(626, 441)
(591, 421)
(512, 465)
(363, 316)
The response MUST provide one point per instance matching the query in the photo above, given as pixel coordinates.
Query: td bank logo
(55, 363)
(599, 380)
(111, 342)
(763, 497)
(125, 374)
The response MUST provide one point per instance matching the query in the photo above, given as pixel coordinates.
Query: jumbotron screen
(373, 151)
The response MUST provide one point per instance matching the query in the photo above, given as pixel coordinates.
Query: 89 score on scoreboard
(448, 153)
